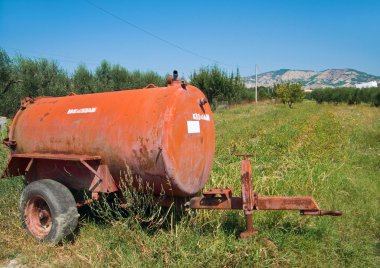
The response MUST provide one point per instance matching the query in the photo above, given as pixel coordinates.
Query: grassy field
(329, 152)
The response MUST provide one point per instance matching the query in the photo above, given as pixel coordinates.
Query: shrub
(289, 93)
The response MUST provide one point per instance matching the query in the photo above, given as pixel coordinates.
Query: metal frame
(102, 182)
(215, 198)
(250, 201)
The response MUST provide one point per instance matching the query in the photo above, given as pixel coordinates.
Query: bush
(289, 93)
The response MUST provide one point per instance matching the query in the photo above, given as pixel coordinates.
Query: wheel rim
(38, 218)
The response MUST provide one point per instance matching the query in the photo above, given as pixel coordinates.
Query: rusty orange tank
(165, 135)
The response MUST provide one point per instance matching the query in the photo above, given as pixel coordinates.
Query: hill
(312, 79)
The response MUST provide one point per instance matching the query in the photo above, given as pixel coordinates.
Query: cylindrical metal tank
(165, 135)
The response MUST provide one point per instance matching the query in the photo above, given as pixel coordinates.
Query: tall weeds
(136, 203)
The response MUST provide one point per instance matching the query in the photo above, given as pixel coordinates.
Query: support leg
(248, 197)
(250, 230)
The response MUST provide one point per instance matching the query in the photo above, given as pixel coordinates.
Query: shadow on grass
(232, 224)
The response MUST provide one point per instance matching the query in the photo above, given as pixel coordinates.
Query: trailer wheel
(48, 211)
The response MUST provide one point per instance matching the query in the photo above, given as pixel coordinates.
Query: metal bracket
(11, 144)
(150, 86)
(225, 193)
(25, 102)
(100, 178)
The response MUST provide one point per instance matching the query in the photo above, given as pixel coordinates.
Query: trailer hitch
(222, 198)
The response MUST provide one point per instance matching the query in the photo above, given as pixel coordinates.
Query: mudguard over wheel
(48, 211)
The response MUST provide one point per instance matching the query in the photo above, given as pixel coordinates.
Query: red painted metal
(286, 203)
(66, 157)
(301, 203)
(162, 135)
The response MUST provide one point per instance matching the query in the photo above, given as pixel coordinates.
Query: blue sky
(308, 35)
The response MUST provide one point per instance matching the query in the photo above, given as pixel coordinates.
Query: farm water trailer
(163, 136)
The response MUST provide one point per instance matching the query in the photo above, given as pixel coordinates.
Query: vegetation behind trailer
(331, 152)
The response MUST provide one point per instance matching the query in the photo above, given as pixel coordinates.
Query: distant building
(308, 90)
(366, 85)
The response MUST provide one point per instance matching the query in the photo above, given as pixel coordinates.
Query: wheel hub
(38, 217)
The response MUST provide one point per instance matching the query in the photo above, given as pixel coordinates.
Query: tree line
(347, 95)
(24, 77)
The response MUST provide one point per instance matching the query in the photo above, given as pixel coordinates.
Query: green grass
(329, 152)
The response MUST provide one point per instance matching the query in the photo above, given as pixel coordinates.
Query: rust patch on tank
(43, 117)
(143, 156)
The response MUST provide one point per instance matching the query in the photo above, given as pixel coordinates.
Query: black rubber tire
(61, 205)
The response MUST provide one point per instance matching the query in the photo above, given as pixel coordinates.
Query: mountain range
(312, 79)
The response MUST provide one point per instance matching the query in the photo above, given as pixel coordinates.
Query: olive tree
(217, 85)
(22, 77)
(110, 77)
(83, 80)
(103, 76)
(6, 77)
(289, 93)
